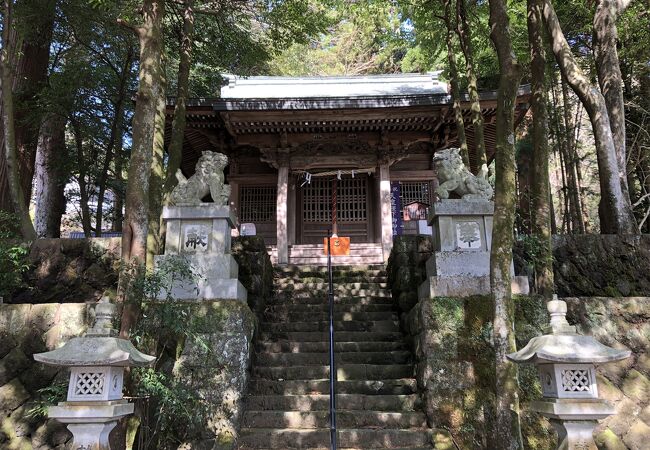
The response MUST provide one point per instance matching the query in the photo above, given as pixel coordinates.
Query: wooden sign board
(340, 246)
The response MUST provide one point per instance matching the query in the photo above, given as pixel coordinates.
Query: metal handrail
(330, 296)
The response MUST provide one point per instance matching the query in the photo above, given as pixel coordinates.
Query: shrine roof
(333, 86)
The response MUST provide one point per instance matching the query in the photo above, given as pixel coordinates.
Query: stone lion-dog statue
(454, 177)
(208, 179)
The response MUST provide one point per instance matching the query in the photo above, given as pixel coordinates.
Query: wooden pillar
(386, 216)
(281, 221)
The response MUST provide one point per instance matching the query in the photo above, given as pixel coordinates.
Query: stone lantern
(97, 361)
(566, 364)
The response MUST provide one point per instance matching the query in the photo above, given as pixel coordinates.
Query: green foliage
(362, 38)
(46, 397)
(535, 250)
(179, 413)
(175, 412)
(13, 255)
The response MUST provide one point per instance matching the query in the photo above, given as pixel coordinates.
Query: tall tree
(465, 37)
(615, 209)
(11, 156)
(50, 177)
(610, 78)
(136, 220)
(508, 427)
(175, 148)
(541, 192)
(28, 42)
(448, 20)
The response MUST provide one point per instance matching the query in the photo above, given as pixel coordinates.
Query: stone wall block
(607, 389)
(43, 316)
(626, 412)
(73, 319)
(637, 386)
(7, 343)
(52, 433)
(12, 365)
(39, 376)
(12, 395)
(637, 436)
(607, 440)
(14, 319)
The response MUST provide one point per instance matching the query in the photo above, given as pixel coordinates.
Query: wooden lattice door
(353, 209)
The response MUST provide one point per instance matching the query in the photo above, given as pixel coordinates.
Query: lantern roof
(99, 347)
(563, 344)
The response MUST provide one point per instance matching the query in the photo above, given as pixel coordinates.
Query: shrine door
(354, 211)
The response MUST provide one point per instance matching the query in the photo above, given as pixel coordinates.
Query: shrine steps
(312, 255)
(378, 405)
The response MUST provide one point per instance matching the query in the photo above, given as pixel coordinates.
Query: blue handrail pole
(330, 296)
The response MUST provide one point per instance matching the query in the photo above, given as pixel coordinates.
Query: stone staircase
(312, 255)
(377, 402)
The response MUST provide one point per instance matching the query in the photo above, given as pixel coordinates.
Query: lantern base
(91, 422)
(575, 435)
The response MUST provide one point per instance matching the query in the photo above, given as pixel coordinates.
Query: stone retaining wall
(25, 330)
(69, 270)
(452, 343)
(215, 366)
(596, 265)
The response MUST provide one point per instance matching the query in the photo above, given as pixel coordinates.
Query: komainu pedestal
(460, 265)
(201, 234)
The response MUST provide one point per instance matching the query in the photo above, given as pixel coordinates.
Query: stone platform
(201, 235)
(462, 239)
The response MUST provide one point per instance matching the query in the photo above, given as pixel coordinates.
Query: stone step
(320, 298)
(351, 260)
(257, 438)
(336, 279)
(320, 402)
(341, 336)
(343, 372)
(317, 308)
(302, 359)
(401, 386)
(321, 271)
(354, 286)
(344, 419)
(428, 447)
(323, 325)
(307, 316)
(315, 347)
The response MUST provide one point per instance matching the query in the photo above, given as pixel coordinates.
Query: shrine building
(288, 138)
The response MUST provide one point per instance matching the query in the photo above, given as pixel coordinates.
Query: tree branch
(136, 30)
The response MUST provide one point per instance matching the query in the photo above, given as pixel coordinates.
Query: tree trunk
(615, 210)
(570, 158)
(50, 177)
(508, 428)
(118, 189)
(116, 129)
(156, 181)
(465, 37)
(84, 198)
(541, 190)
(175, 149)
(11, 157)
(455, 85)
(610, 78)
(134, 234)
(29, 67)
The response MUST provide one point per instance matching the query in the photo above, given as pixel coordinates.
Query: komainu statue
(208, 179)
(455, 177)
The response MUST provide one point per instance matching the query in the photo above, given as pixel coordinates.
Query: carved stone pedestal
(460, 266)
(201, 234)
